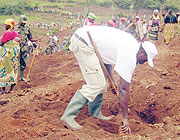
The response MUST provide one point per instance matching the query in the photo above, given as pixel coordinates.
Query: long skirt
(9, 63)
(153, 33)
(169, 32)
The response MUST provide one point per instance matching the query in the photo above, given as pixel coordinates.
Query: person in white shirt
(144, 26)
(116, 48)
(56, 39)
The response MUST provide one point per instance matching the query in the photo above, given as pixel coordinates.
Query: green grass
(10, 2)
(16, 18)
(41, 2)
(52, 4)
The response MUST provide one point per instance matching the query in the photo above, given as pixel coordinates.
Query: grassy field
(16, 18)
(11, 2)
(52, 4)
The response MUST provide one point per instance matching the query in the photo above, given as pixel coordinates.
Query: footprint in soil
(18, 113)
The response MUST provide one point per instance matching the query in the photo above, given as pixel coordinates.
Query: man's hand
(125, 128)
(114, 90)
(123, 101)
(35, 44)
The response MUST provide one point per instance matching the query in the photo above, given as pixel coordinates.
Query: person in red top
(9, 52)
(90, 20)
(112, 23)
(9, 34)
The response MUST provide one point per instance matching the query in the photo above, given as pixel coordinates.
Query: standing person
(132, 28)
(170, 18)
(153, 26)
(122, 24)
(169, 29)
(110, 23)
(52, 43)
(115, 47)
(114, 19)
(138, 29)
(90, 20)
(178, 18)
(25, 35)
(56, 39)
(9, 52)
(144, 26)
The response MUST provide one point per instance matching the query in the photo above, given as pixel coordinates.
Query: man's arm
(109, 69)
(123, 101)
(128, 26)
(29, 35)
(123, 98)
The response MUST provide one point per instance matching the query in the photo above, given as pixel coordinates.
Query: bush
(10, 10)
(171, 6)
(121, 14)
(105, 3)
(52, 0)
(16, 9)
(123, 3)
(151, 4)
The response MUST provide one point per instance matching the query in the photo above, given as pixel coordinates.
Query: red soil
(33, 111)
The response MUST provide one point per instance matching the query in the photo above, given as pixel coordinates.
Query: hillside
(33, 111)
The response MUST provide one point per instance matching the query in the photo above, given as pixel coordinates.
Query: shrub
(174, 7)
(52, 0)
(105, 3)
(123, 3)
(121, 14)
(16, 9)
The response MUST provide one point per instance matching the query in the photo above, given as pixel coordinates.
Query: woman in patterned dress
(9, 51)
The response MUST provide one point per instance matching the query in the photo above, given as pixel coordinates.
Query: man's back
(115, 47)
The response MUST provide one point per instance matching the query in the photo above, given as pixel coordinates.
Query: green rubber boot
(94, 108)
(22, 76)
(77, 102)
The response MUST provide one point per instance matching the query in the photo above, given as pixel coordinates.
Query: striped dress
(154, 24)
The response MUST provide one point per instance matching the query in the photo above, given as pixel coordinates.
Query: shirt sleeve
(125, 68)
(29, 35)
(4, 38)
(16, 34)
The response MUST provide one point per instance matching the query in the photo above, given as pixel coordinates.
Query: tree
(161, 4)
(112, 8)
(138, 4)
(87, 9)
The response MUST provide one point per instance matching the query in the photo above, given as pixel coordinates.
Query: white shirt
(144, 28)
(115, 47)
(29, 43)
(178, 19)
(55, 38)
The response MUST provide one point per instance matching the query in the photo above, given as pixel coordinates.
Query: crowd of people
(143, 28)
(116, 48)
(14, 50)
(114, 38)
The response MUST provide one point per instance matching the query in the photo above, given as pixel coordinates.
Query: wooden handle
(102, 65)
(35, 52)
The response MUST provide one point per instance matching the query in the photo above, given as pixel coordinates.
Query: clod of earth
(167, 87)
(2, 102)
(147, 116)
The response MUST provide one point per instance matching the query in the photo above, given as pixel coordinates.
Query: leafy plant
(52, 0)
